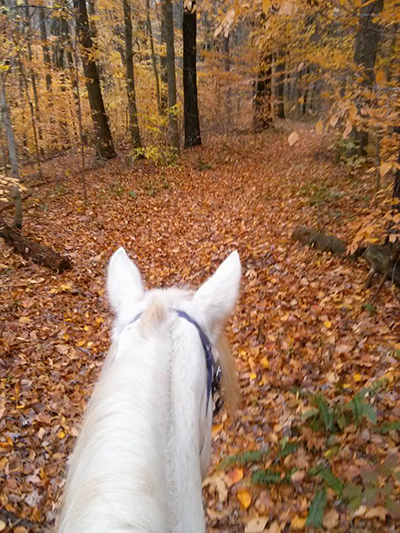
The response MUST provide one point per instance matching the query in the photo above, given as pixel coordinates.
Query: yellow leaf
(217, 428)
(244, 498)
(24, 320)
(297, 523)
(61, 434)
(253, 376)
(266, 4)
(357, 377)
(265, 363)
(327, 324)
(293, 138)
(384, 169)
(319, 127)
(380, 76)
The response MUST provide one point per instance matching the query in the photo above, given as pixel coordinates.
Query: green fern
(331, 480)
(324, 411)
(388, 427)
(245, 458)
(270, 477)
(361, 410)
(317, 508)
(288, 449)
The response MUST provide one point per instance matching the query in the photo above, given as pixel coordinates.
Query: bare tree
(130, 77)
(191, 107)
(5, 113)
(173, 131)
(103, 139)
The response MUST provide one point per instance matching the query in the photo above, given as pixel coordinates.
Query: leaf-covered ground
(304, 325)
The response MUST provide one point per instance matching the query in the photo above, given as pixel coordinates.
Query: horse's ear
(124, 282)
(216, 298)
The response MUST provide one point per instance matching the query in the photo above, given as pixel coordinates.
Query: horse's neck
(188, 429)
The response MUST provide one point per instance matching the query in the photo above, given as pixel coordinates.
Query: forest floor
(304, 325)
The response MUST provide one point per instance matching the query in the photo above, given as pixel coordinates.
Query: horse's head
(142, 313)
(211, 305)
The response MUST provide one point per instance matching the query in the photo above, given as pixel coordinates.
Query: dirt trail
(301, 323)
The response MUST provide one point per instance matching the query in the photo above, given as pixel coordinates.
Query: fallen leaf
(234, 476)
(275, 528)
(244, 497)
(298, 523)
(377, 512)
(331, 519)
(264, 362)
(256, 525)
(293, 138)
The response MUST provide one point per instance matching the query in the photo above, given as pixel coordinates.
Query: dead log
(43, 255)
(320, 241)
(379, 258)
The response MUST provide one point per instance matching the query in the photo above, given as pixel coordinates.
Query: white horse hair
(145, 443)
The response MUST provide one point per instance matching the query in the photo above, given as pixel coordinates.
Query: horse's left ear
(216, 298)
(124, 282)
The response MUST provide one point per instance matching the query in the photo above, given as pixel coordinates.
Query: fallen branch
(43, 255)
(320, 241)
(379, 257)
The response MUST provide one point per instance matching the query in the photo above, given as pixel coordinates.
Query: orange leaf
(244, 498)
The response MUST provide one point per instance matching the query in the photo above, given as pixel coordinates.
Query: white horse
(145, 443)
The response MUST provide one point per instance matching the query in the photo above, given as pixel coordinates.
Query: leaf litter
(300, 328)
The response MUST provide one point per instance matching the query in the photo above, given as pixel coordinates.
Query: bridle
(214, 370)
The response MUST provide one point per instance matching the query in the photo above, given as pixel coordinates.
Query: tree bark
(365, 52)
(11, 146)
(173, 131)
(262, 109)
(280, 85)
(46, 52)
(227, 68)
(130, 77)
(163, 63)
(43, 255)
(103, 139)
(153, 56)
(191, 108)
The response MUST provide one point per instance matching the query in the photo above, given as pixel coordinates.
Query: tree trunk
(365, 52)
(227, 68)
(153, 56)
(280, 85)
(191, 108)
(262, 109)
(5, 113)
(103, 139)
(130, 77)
(163, 62)
(173, 131)
(46, 53)
(43, 255)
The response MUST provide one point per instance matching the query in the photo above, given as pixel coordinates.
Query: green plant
(271, 477)
(317, 507)
(245, 458)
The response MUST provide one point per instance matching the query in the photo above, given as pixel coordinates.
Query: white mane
(145, 442)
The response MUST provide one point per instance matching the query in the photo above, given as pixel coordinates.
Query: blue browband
(213, 369)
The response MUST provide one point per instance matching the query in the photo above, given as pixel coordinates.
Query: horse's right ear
(124, 282)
